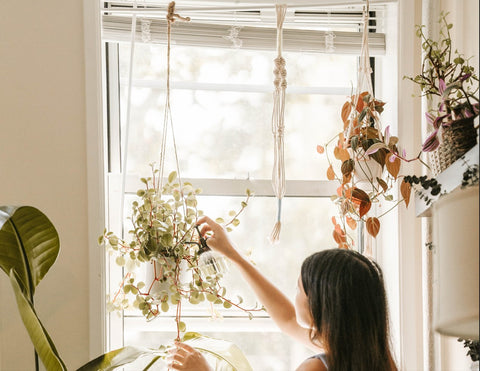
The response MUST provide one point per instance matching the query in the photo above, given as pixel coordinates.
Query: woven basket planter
(457, 139)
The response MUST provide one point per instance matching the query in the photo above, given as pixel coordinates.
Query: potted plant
(447, 78)
(165, 232)
(368, 168)
(164, 236)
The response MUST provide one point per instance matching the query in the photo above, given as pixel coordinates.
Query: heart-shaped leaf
(392, 162)
(405, 190)
(29, 244)
(330, 173)
(373, 226)
(346, 109)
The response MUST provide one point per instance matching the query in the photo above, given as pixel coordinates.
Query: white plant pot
(365, 169)
(154, 267)
(456, 243)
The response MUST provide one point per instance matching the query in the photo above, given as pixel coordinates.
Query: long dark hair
(347, 299)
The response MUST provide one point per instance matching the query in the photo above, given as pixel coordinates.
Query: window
(221, 102)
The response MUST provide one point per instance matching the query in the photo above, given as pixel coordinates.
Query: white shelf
(450, 179)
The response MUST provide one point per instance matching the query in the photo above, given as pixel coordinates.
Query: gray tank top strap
(322, 357)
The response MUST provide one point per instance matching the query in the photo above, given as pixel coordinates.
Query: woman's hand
(219, 240)
(186, 358)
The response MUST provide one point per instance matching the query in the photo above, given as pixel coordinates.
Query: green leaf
(38, 334)
(229, 356)
(172, 176)
(29, 244)
(119, 357)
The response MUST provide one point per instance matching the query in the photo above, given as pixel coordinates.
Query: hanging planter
(369, 160)
(449, 80)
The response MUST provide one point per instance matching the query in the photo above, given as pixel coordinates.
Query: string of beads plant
(164, 235)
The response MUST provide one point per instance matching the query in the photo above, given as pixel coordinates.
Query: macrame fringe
(275, 235)
(278, 122)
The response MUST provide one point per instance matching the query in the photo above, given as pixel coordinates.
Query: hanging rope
(364, 78)
(128, 115)
(278, 122)
(167, 117)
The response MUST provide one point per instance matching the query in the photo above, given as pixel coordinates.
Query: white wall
(43, 163)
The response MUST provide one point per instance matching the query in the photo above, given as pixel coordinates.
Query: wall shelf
(450, 179)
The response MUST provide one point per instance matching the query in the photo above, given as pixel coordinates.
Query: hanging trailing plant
(369, 158)
(164, 235)
(368, 167)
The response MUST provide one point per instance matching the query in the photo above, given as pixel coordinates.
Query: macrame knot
(171, 15)
(280, 73)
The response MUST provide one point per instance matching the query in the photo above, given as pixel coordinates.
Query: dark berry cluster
(426, 183)
(470, 176)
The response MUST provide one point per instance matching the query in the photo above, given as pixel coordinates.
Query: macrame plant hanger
(364, 84)
(278, 123)
(167, 117)
(171, 17)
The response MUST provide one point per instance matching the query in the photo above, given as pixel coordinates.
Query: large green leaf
(228, 356)
(29, 244)
(39, 336)
(119, 357)
(224, 355)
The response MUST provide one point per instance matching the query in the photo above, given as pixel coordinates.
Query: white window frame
(400, 258)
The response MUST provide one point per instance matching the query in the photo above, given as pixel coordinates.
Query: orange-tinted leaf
(339, 237)
(360, 102)
(339, 191)
(351, 223)
(334, 220)
(346, 109)
(373, 226)
(330, 173)
(341, 154)
(359, 196)
(405, 190)
(347, 178)
(393, 167)
(339, 229)
(383, 184)
(320, 149)
(343, 245)
(360, 199)
(364, 207)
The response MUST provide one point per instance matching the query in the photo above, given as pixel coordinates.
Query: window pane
(229, 135)
(225, 134)
(306, 228)
(255, 67)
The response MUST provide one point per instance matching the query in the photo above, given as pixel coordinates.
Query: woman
(340, 309)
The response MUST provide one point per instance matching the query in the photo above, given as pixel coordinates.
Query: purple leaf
(476, 109)
(431, 143)
(466, 76)
(439, 121)
(387, 134)
(441, 86)
(429, 117)
(374, 148)
(404, 153)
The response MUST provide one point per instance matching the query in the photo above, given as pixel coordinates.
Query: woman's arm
(278, 306)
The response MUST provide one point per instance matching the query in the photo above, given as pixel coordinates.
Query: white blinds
(306, 29)
(118, 28)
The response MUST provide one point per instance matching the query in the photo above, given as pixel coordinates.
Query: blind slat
(118, 29)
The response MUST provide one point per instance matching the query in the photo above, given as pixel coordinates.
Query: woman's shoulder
(312, 364)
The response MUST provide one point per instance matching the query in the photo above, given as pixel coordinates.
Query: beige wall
(43, 159)
(43, 163)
